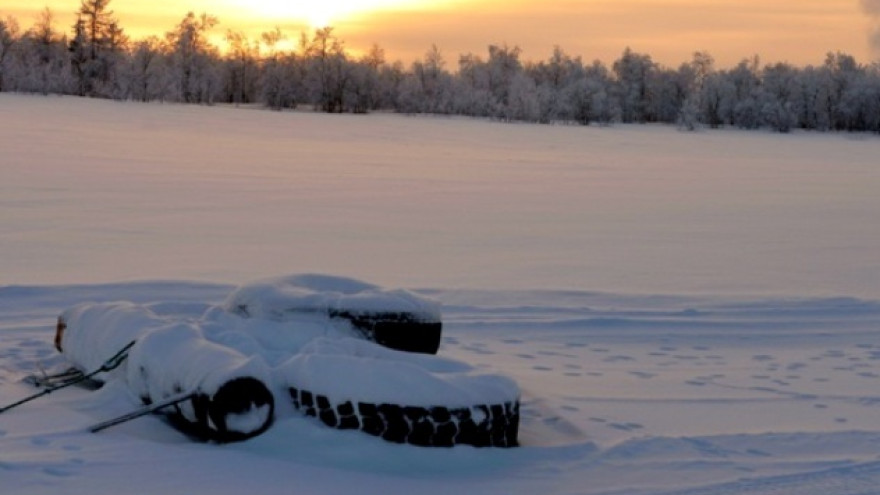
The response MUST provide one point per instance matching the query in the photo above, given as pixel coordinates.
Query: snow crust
(100, 191)
(283, 298)
(359, 371)
(684, 313)
(643, 394)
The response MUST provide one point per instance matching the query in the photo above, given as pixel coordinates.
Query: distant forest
(95, 58)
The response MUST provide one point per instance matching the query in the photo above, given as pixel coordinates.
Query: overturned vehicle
(349, 354)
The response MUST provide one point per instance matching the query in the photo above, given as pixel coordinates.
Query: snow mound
(283, 298)
(356, 370)
(310, 334)
(398, 319)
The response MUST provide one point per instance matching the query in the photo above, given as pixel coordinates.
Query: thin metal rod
(108, 365)
(143, 411)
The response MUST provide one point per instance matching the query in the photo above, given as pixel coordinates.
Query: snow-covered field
(685, 313)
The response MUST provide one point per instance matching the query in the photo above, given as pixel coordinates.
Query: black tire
(402, 331)
(236, 396)
(407, 322)
(495, 425)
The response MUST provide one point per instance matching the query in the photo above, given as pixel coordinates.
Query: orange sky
(796, 31)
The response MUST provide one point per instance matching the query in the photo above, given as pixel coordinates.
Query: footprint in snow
(617, 359)
(57, 472)
(642, 374)
(686, 357)
(626, 426)
(31, 343)
(542, 368)
(478, 349)
(40, 441)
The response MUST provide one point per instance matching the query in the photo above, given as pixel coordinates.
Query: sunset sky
(795, 31)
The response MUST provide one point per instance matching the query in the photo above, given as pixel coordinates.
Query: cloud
(871, 7)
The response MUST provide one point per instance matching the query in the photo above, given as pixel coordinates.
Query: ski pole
(143, 411)
(108, 365)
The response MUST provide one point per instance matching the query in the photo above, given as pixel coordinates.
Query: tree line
(95, 58)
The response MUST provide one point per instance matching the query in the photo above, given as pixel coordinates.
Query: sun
(318, 13)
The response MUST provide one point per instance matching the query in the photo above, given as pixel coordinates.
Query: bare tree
(8, 38)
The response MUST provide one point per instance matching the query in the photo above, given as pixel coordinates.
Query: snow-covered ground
(685, 313)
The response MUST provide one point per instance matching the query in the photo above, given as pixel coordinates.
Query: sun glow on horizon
(319, 13)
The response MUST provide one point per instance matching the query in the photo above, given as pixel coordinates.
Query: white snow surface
(360, 371)
(685, 313)
(289, 297)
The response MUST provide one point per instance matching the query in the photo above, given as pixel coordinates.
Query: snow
(286, 323)
(295, 296)
(684, 313)
(359, 371)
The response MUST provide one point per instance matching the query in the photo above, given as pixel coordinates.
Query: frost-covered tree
(632, 71)
(428, 88)
(96, 49)
(779, 106)
(8, 39)
(842, 71)
(281, 74)
(327, 69)
(193, 60)
(470, 92)
(241, 68)
(143, 76)
(44, 63)
(391, 77)
(555, 78)
(98, 60)
(523, 103)
(503, 68)
(746, 80)
(666, 92)
(717, 100)
(589, 98)
(364, 93)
